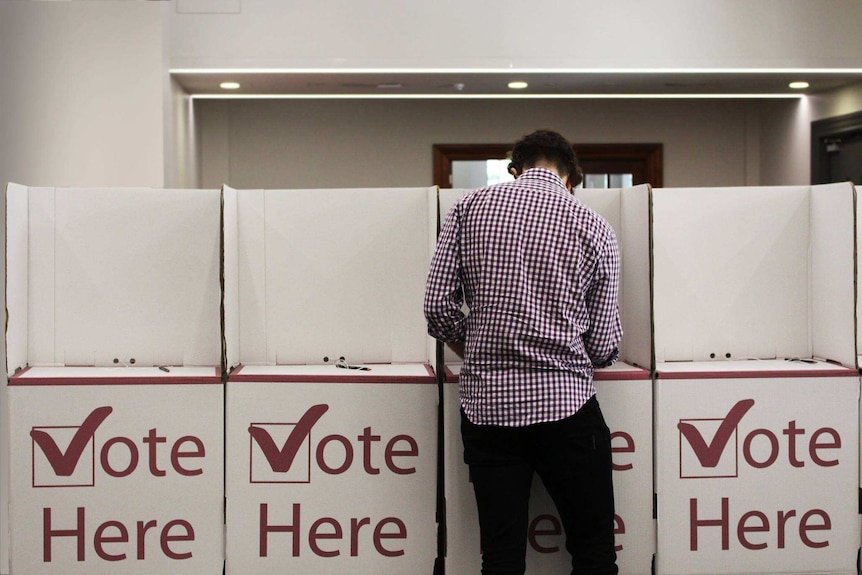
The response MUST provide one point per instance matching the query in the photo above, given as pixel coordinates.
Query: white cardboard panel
(858, 254)
(41, 278)
(731, 272)
(109, 489)
(377, 373)
(251, 266)
(230, 242)
(858, 232)
(763, 368)
(337, 481)
(774, 491)
(17, 205)
(346, 271)
(144, 264)
(636, 291)
(15, 253)
(463, 549)
(408, 338)
(606, 202)
(16, 249)
(627, 211)
(114, 376)
(833, 278)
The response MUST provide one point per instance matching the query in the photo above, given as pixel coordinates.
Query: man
(539, 273)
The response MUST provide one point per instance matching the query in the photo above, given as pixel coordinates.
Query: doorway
(836, 150)
(604, 165)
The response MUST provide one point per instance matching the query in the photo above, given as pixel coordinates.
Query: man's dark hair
(549, 146)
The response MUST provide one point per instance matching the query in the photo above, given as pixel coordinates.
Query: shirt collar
(544, 175)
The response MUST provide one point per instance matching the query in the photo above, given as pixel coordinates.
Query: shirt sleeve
(602, 340)
(444, 294)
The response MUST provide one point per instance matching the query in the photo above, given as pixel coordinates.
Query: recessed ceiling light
(798, 85)
(518, 85)
(229, 85)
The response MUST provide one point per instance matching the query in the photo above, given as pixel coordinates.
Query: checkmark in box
(722, 458)
(83, 473)
(264, 464)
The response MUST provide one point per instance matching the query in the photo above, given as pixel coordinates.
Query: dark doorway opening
(836, 149)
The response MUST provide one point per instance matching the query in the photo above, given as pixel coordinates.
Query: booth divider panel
(230, 276)
(345, 274)
(251, 271)
(41, 270)
(17, 234)
(731, 272)
(636, 291)
(833, 276)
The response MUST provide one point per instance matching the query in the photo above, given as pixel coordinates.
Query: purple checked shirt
(539, 272)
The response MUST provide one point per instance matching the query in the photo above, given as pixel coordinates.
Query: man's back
(529, 258)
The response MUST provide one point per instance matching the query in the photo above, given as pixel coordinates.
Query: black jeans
(573, 458)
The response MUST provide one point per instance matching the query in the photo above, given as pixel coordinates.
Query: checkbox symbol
(281, 452)
(64, 456)
(709, 447)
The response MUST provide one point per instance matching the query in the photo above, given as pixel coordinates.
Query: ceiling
(408, 83)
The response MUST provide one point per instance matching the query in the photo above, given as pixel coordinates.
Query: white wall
(302, 143)
(82, 93)
(504, 33)
(180, 134)
(784, 151)
(211, 129)
(180, 147)
(846, 100)
(772, 149)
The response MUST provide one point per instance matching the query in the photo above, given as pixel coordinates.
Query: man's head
(546, 148)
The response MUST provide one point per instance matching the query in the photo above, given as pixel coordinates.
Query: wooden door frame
(651, 155)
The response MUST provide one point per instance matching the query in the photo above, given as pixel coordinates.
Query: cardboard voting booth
(625, 395)
(757, 393)
(116, 402)
(331, 471)
(332, 408)
(117, 471)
